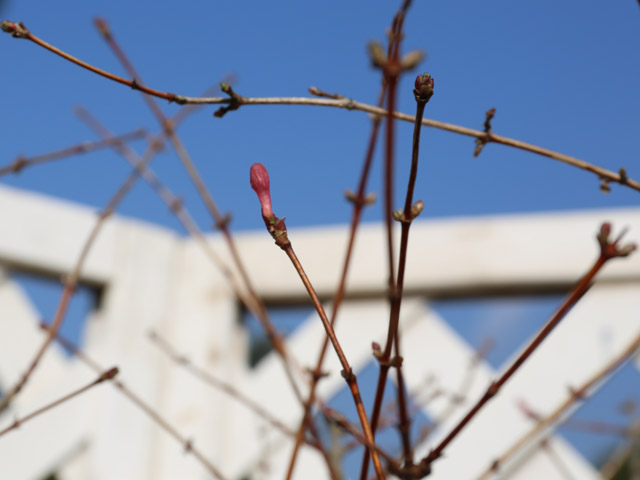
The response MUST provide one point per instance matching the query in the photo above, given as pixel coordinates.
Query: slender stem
(359, 202)
(391, 74)
(220, 221)
(230, 390)
(181, 360)
(347, 371)
(577, 395)
(22, 162)
(577, 292)
(107, 375)
(142, 405)
(343, 423)
(348, 104)
(72, 279)
(405, 422)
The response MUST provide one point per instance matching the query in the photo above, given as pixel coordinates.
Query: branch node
(368, 199)
(108, 375)
(493, 389)
(624, 179)
(416, 209)
(321, 93)
(610, 249)
(486, 138)
(577, 395)
(188, 445)
(19, 164)
(223, 222)
(317, 374)
(179, 99)
(235, 101)
(605, 186)
(348, 375)
(176, 204)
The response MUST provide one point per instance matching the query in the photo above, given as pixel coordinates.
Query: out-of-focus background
(563, 76)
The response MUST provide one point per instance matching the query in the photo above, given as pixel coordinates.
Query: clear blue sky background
(563, 75)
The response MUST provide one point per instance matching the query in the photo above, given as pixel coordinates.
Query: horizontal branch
(234, 101)
(22, 162)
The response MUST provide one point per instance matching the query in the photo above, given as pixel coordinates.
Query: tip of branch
(108, 375)
(102, 26)
(611, 249)
(16, 30)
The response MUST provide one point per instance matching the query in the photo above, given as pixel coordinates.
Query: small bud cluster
(423, 88)
(610, 249)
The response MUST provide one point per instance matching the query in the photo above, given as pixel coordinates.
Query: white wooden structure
(153, 278)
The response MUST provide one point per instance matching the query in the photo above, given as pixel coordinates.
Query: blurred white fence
(152, 278)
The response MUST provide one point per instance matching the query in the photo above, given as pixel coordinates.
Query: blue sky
(562, 75)
(564, 78)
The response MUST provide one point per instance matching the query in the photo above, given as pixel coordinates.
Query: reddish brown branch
(221, 221)
(392, 67)
(359, 201)
(577, 395)
(608, 250)
(347, 371)
(18, 30)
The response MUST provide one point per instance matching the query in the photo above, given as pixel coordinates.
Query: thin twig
(359, 201)
(347, 371)
(577, 395)
(608, 250)
(22, 162)
(556, 460)
(341, 421)
(392, 69)
(187, 444)
(18, 30)
(107, 375)
(221, 221)
(621, 454)
(220, 385)
(71, 280)
(277, 228)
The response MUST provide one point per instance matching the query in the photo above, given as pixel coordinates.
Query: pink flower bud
(259, 178)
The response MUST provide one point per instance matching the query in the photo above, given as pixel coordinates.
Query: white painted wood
(35, 448)
(155, 279)
(446, 254)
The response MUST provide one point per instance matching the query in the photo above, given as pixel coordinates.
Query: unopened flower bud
(16, 30)
(423, 87)
(603, 235)
(627, 249)
(416, 208)
(378, 57)
(411, 59)
(259, 178)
